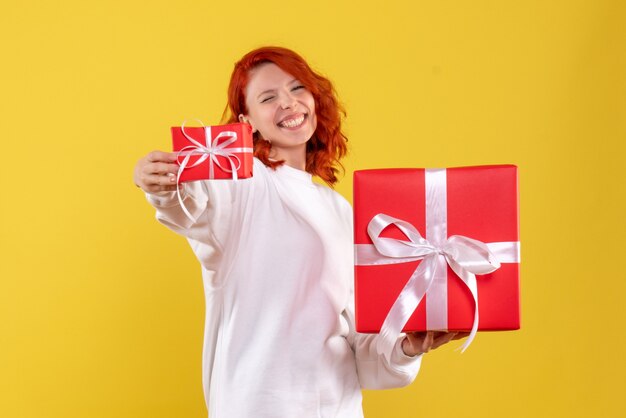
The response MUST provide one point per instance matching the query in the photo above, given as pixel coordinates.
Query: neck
(294, 157)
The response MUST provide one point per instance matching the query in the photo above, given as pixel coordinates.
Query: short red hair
(328, 143)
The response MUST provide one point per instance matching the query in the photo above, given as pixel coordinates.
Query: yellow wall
(101, 308)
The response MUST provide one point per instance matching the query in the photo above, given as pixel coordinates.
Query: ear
(244, 119)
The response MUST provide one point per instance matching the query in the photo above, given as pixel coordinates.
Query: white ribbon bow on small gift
(467, 257)
(210, 150)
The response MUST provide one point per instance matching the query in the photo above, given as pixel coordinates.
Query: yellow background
(101, 308)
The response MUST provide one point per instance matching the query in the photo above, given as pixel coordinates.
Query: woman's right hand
(156, 172)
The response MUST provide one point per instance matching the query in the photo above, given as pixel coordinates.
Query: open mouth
(293, 122)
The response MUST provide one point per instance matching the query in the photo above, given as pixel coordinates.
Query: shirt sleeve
(374, 370)
(169, 211)
(210, 206)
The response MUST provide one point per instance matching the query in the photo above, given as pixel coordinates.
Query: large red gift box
(476, 202)
(213, 152)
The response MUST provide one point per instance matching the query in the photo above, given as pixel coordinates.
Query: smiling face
(281, 109)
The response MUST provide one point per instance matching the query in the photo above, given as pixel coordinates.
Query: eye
(267, 99)
(298, 87)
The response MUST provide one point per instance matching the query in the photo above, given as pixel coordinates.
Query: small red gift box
(440, 228)
(213, 152)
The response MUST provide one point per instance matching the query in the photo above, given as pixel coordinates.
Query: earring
(243, 119)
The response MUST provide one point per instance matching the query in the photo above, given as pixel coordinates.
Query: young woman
(277, 256)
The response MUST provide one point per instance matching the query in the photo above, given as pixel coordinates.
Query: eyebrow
(273, 90)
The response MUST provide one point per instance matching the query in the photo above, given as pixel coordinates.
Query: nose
(288, 101)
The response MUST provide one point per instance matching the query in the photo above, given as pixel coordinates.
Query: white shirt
(277, 263)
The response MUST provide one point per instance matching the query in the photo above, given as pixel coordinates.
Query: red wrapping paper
(482, 203)
(201, 171)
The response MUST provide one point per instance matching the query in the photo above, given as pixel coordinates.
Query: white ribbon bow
(466, 256)
(210, 150)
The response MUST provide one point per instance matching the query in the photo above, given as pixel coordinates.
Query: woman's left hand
(422, 342)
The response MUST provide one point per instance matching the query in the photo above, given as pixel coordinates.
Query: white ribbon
(210, 150)
(467, 257)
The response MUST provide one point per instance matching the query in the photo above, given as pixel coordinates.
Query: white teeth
(292, 123)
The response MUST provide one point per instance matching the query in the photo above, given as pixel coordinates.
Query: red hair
(328, 144)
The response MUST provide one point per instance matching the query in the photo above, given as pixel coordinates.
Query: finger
(160, 156)
(412, 343)
(156, 189)
(416, 339)
(443, 339)
(416, 336)
(162, 168)
(460, 335)
(159, 180)
(428, 342)
(168, 188)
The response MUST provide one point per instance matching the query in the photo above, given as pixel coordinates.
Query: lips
(293, 121)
